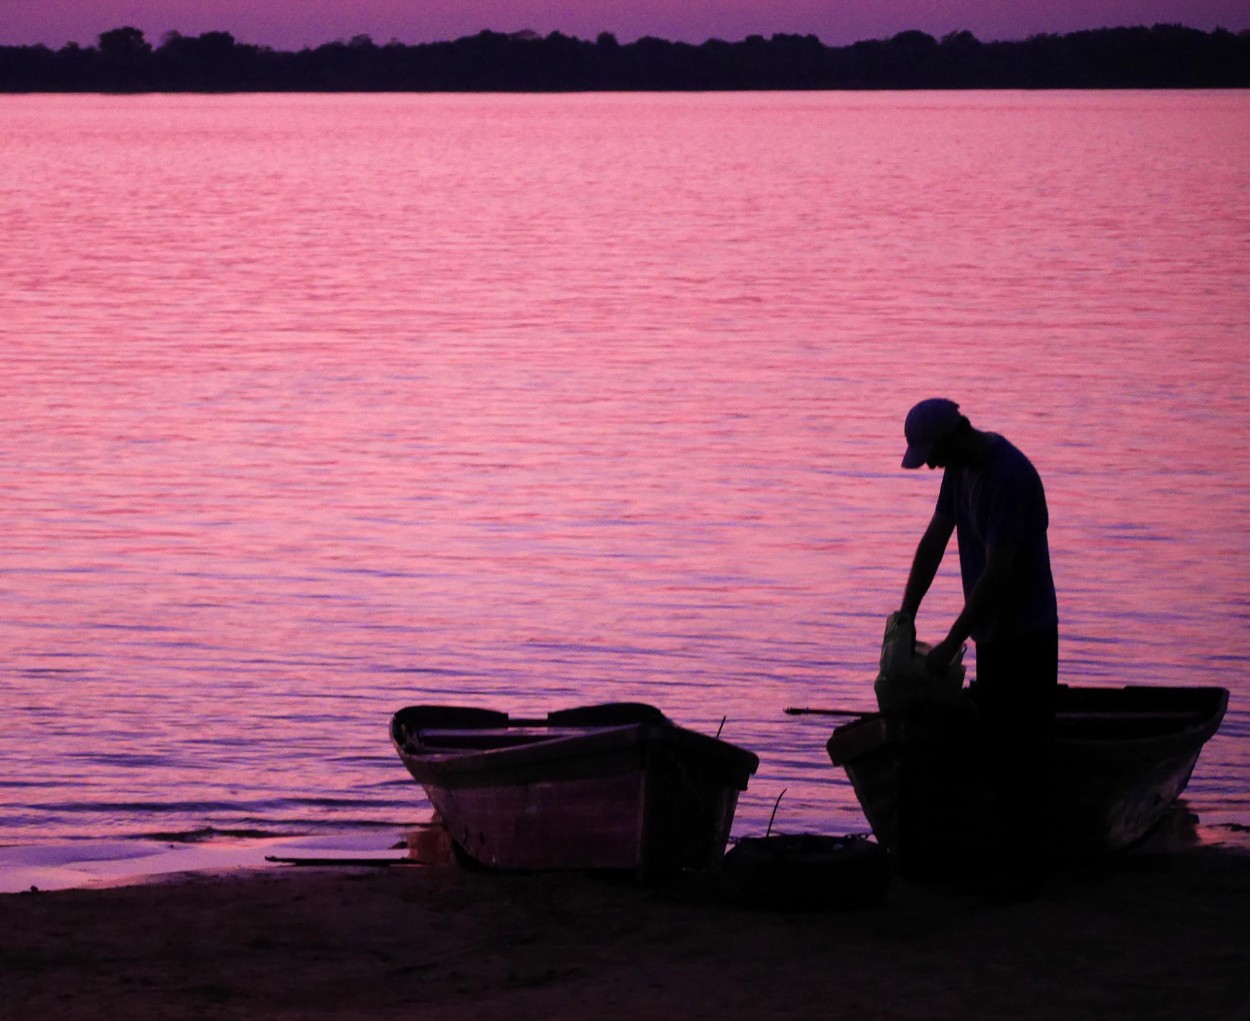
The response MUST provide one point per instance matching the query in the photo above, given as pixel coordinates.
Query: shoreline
(121, 861)
(92, 863)
(89, 863)
(1144, 935)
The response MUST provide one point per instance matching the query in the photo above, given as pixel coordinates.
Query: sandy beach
(1162, 935)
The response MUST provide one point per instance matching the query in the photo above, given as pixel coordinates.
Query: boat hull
(1122, 758)
(643, 794)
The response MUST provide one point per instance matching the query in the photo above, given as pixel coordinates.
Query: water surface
(317, 406)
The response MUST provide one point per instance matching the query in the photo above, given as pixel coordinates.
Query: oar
(796, 711)
(355, 863)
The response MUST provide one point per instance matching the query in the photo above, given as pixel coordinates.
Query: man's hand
(941, 655)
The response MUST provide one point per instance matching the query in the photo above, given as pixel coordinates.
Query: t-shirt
(1002, 500)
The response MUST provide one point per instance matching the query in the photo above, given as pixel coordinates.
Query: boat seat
(1102, 726)
(422, 717)
(610, 714)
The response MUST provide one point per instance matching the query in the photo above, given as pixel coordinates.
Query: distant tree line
(1163, 56)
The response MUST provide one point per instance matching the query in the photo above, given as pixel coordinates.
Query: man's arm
(989, 589)
(925, 564)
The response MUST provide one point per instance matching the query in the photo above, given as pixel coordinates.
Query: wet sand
(1146, 936)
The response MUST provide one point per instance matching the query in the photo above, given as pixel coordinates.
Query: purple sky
(292, 24)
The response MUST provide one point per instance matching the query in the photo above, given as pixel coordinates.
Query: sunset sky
(286, 25)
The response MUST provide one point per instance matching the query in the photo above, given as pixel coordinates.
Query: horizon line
(530, 35)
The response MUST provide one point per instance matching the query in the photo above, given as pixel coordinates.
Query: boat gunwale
(588, 742)
(1198, 724)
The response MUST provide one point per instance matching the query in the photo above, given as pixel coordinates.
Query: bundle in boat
(616, 786)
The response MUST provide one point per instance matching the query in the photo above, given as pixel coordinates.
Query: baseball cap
(927, 423)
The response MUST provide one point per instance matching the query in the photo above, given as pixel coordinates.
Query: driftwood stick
(805, 711)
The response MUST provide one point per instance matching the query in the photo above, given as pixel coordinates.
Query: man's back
(1001, 500)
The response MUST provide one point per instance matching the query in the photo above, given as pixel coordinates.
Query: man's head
(930, 424)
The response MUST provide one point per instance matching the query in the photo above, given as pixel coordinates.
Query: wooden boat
(615, 786)
(1122, 757)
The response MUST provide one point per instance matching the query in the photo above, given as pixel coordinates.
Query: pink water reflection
(527, 401)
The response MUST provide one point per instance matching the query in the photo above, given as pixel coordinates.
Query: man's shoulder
(1014, 486)
(1007, 459)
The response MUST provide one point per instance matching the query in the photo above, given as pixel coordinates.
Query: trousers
(1015, 691)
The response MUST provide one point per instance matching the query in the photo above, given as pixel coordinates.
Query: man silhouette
(992, 498)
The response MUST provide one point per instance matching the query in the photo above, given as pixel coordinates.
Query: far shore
(1144, 935)
(1129, 57)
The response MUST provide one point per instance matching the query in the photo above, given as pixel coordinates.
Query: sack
(905, 682)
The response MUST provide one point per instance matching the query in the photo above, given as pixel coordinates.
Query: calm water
(314, 407)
